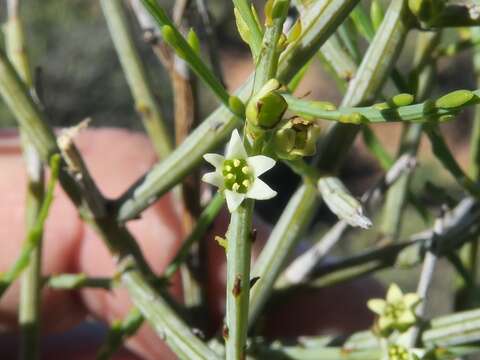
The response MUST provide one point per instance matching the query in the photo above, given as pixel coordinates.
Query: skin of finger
(61, 238)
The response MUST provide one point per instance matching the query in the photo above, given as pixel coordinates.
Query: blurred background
(81, 77)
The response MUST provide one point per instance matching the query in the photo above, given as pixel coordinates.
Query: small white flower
(236, 173)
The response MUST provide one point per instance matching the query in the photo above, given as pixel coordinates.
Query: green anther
(237, 175)
(402, 99)
(454, 99)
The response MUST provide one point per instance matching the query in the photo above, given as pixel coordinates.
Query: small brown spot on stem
(237, 286)
(225, 332)
(253, 235)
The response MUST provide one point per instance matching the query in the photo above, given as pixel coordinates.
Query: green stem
(34, 234)
(30, 295)
(136, 75)
(268, 61)
(239, 242)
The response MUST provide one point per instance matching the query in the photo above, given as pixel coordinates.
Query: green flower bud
(454, 99)
(193, 41)
(267, 107)
(296, 138)
(402, 100)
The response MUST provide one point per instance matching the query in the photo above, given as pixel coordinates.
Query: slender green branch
(136, 75)
(379, 113)
(239, 241)
(268, 60)
(30, 295)
(34, 234)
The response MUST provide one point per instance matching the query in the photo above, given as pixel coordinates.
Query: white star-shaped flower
(236, 173)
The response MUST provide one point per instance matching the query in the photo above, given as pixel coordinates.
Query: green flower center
(396, 352)
(394, 311)
(237, 175)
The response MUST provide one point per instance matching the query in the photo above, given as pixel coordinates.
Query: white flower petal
(260, 191)
(235, 148)
(260, 164)
(234, 200)
(214, 159)
(213, 178)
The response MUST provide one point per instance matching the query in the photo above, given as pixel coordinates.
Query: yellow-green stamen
(237, 175)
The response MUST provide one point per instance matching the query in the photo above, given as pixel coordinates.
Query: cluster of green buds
(426, 10)
(296, 138)
(396, 312)
(266, 108)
